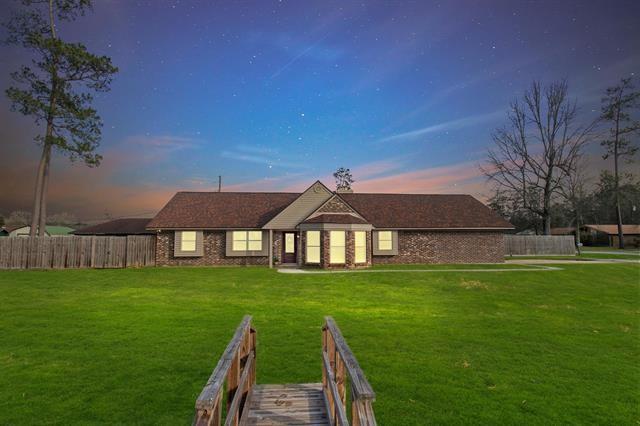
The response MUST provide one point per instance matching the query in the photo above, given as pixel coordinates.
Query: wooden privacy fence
(77, 252)
(539, 244)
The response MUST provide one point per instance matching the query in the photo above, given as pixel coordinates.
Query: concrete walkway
(528, 265)
(550, 261)
(531, 268)
(616, 252)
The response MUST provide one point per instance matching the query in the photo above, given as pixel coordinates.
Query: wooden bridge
(243, 402)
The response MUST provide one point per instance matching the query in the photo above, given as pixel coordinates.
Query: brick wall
(446, 247)
(214, 252)
(413, 247)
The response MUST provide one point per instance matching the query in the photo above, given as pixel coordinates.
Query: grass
(627, 250)
(136, 346)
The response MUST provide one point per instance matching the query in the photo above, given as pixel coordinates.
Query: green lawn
(136, 346)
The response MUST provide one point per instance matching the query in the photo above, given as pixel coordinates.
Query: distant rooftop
(131, 226)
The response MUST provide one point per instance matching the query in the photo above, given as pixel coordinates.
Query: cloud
(446, 126)
(166, 142)
(455, 178)
(115, 188)
(276, 183)
(263, 156)
(377, 168)
(461, 178)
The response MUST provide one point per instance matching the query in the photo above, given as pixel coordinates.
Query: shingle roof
(132, 226)
(563, 230)
(424, 211)
(215, 210)
(613, 229)
(220, 210)
(335, 218)
(13, 227)
(51, 229)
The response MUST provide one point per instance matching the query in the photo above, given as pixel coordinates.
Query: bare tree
(18, 217)
(344, 179)
(537, 148)
(617, 103)
(574, 192)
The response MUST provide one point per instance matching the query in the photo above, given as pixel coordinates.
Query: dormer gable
(312, 198)
(335, 205)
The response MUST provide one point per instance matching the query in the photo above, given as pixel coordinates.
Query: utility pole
(219, 183)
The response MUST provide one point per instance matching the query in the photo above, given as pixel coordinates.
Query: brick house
(321, 228)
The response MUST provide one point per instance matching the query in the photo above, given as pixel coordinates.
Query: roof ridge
(237, 192)
(399, 193)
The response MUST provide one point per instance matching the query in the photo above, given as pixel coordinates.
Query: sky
(273, 95)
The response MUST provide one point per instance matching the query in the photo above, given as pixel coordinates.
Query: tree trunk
(547, 224)
(546, 209)
(37, 199)
(42, 223)
(620, 233)
(617, 183)
(39, 219)
(578, 242)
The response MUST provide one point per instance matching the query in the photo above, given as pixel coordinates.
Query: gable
(316, 195)
(335, 205)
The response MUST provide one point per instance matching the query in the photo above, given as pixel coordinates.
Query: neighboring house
(119, 227)
(325, 229)
(23, 230)
(608, 235)
(570, 230)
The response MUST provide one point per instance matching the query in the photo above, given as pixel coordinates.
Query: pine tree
(56, 89)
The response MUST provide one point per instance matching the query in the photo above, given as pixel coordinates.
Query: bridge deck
(293, 404)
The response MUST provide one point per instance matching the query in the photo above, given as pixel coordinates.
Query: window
(336, 247)
(313, 246)
(360, 246)
(255, 240)
(385, 240)
(247, 240)
(188, 241)
(239, 241)
(188, 244)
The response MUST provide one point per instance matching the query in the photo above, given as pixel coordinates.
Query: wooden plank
(338, 410)
(359, 382)
(234, 413)
(209, 393)
(291, 404)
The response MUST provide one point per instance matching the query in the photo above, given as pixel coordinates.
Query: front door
(289, 248)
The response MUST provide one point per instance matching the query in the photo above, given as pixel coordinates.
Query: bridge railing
(339, 368)
(236, 367)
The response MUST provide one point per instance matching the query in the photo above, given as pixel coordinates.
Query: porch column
(270, 248)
